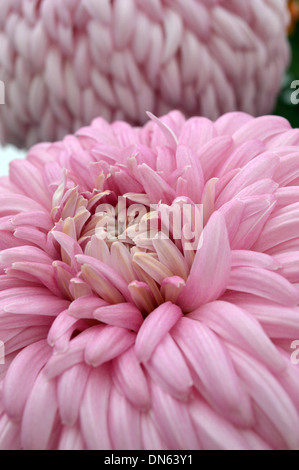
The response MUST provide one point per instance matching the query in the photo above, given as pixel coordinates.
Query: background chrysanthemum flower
(65, 63)
(135, 343)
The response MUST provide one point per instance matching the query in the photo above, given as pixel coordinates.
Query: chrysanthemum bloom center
(153, 245)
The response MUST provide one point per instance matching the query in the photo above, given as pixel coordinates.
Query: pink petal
(167, 367)
(255, 260)
(197, 132)
(231, 122)
(85, 306)
(107, 273)
(185, 157)
(130, 379)
(42, 401)
(171, 288)
(257, 211)
(280, 228)
(94, 410)
(25, 337)
(212, 366)
(59, 363)
(154, 329)
(15, 203)
(69, 247)
(122, 315)
(213, 153)
(211, 268)
(61, 324)
(289, 263)
(241, 329)
(124, 423)
(110, 342)
(288, 170)
(167, 131)
(25, 175)
(36, 305)
(70, 390)
(36, 219)
(151, 438)
(269, 395)
(41, 272)
(21, 377)
(155, 186)
(261, 167)
(71, 439)
(214, 432)
(261, 128)
(263, 283)
(173, 419)
(242, 155)
(9, 434)
(19, 254)
(277, 320)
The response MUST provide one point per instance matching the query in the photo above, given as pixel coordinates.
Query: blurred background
(284, 106)
(7, 154)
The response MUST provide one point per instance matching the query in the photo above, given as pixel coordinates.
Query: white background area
(7, 154)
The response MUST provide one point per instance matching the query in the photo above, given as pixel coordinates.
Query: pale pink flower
(141, 344)
(66, 62)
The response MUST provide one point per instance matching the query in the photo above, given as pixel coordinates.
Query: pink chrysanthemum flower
(66, 62)
(135, 342)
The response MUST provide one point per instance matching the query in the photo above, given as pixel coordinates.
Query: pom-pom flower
(117, 337)
(66, 62)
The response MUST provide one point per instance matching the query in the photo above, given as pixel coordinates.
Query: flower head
(65, 63)
(131, 323)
